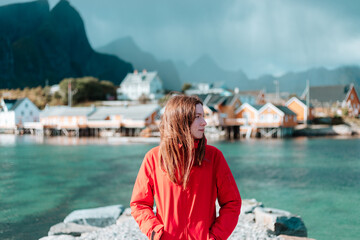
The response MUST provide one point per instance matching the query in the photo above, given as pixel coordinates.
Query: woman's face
(197, 128)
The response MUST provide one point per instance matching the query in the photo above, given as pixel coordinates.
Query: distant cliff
(37, 44)
(205, 69)
(295, 82)
(127, 49)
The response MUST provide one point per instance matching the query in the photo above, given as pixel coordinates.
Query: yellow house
(63, 117)
(247, 114)
(303, 114)
(276, 116)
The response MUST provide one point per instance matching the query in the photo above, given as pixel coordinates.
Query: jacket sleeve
(229, 200)
(142, 202)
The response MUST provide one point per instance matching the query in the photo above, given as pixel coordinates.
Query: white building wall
(26, 112)
(132, 90)
(7, 119)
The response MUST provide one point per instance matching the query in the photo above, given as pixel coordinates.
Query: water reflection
(7, 140)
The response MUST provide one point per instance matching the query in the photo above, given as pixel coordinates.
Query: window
(31, 113)
(286, 118)
(246, 115)
(26, 105)
(22, 113)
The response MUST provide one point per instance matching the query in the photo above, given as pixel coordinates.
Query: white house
(138, 84)
(208, 88)
(14, 113)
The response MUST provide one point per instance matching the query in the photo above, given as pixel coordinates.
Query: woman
(185, 176)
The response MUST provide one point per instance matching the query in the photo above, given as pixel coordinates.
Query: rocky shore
(116, 223)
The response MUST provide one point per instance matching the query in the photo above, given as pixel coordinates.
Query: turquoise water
(43, 180)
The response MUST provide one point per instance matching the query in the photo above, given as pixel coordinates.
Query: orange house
(65, 117)
(221, 108)
(303, 114)
(276, 116)
(248, 114)
(227, 110)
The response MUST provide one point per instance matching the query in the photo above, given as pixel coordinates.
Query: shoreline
(115, 222)
(12, 139)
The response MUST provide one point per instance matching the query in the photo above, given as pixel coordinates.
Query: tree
(143, 99)
(87, 89)
(185, 87)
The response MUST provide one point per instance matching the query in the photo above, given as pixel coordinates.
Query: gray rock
(280, 222)
(248, 205)
(98, 217)
(247, 228)
(59, 237)
(70, 229)
(125, 216)
(342, 129)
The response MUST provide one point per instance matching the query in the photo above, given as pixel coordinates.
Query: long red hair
(178, 153)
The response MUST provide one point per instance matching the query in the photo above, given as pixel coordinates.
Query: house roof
(286, 110)
(139, 77)
(229, 100)
(136, 112)
(257, 107)
(12, 104)
(214, 99)
(278, 108)
(299, 100)
(202, 96)
(328, 93)
(251, 106)
(212, 109)
(66, 111)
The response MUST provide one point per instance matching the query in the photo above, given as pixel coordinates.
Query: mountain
(204, 69)
(127, 49)
(37, 44)
(296, 82)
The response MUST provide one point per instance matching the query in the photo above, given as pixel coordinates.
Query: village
(232, 114)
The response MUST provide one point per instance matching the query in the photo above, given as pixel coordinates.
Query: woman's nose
(204, 123)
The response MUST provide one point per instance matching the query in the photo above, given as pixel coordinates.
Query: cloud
(258, 37)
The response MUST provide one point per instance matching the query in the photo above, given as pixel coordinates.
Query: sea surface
(43, 179)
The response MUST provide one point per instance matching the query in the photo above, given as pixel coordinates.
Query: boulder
(58, 237)
(248, 205)
(342, 129)
(280, 222)
(125, 216)
(98, 217)
(70, 229)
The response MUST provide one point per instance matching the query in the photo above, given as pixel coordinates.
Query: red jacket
(186, 213)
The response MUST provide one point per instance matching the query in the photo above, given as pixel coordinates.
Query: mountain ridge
(130, 51)
(51, 49)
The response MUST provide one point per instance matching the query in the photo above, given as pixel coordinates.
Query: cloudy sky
(257, 37)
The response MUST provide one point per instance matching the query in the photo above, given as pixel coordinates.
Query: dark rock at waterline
(280, 222)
